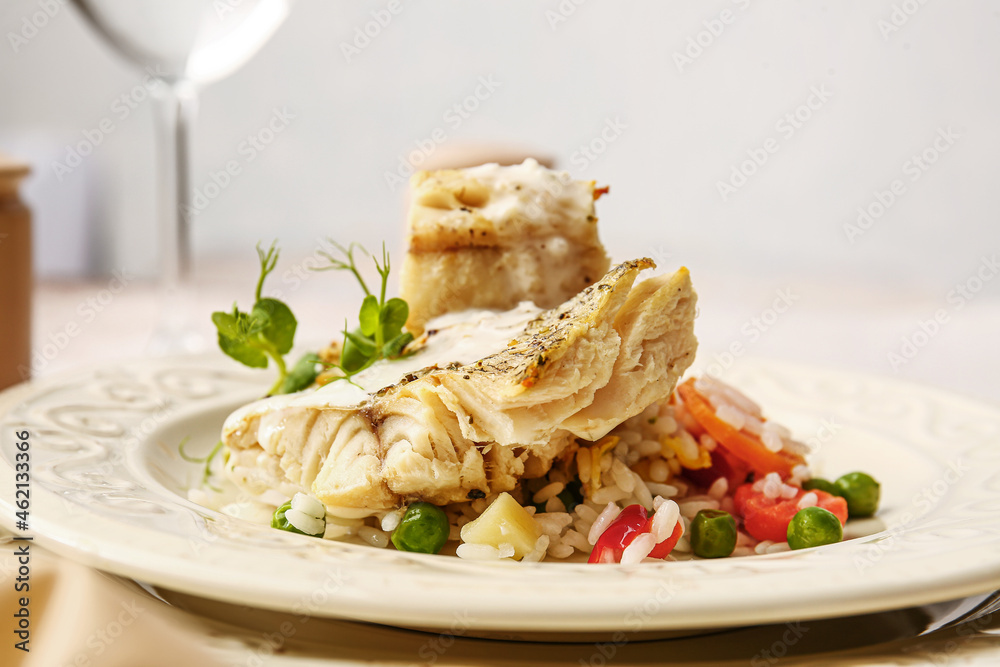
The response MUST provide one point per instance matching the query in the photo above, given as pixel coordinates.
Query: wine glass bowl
(199, 41)
(182, 44)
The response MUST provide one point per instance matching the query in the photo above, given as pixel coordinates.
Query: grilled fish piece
(487, 398)
(493, 236)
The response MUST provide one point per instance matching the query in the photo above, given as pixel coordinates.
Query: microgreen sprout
(380, 332)
(265, 334)
(341, 265)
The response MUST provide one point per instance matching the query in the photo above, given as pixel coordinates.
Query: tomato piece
(744, 446)
(663, 549)
(723, 465)
(768, 518)
(834, 504)
(619, 534)
(629, 524)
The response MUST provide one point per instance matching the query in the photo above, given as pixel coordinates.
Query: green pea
(820, 484)
(813, 527)
(571, 496)
(861, 492)
(713, 534)
(279, 521)
(424, 529)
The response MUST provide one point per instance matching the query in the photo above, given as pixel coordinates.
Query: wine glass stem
(176, 106)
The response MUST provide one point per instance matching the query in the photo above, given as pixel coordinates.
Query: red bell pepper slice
(742, 445)
(663, 549)
(723, 465)
(629, 524)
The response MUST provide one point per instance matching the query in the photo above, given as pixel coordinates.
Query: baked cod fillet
(493, 236)
(487, 398)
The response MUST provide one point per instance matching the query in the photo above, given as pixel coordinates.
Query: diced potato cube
(503, 521)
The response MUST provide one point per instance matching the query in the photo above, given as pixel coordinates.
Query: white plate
(108, 489)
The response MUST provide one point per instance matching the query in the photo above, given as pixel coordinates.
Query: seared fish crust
(461, 426)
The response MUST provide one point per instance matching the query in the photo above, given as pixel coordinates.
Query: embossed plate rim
(951, 551)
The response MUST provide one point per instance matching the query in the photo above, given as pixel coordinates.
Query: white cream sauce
(532, 192)
(463, 337)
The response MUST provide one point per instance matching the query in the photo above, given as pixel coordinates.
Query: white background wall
(890, 90)
(684, 130)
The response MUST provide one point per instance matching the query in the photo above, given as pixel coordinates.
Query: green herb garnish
(265, 334)
(302, 375)
(380, 334)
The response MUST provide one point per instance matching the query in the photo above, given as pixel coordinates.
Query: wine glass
(182, 44)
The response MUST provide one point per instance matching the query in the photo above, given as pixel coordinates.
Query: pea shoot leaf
(226, 323)
(352, 357)
(243, 352)
(234, 338)
(364, 344)
(369, 316)
(380, 332)
(393, 317)
(394, 347)
(256, 338)
(279, 324)
(264, 334)
(302, 375)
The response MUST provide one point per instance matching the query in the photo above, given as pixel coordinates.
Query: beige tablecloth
(83, 617)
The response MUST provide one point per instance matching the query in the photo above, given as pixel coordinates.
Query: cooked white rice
(639, 462)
